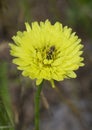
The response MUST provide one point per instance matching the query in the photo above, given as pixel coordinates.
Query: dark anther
(50, 52)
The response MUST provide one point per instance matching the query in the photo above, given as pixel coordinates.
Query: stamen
(50, 53)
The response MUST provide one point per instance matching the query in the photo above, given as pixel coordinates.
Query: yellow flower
(45, 51)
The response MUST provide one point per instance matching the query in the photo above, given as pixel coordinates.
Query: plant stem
(37, 106)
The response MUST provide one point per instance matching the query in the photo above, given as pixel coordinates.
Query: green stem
(37, 106)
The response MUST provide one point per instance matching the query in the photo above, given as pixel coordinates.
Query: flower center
(50, 53)
(46, 55)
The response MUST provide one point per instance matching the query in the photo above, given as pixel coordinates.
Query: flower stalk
(37, 106)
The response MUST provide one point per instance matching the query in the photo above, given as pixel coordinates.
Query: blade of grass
(4, 93)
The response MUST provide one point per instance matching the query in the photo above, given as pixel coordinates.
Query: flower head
(46, 51)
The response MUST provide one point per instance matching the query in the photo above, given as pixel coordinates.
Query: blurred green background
(69, 107)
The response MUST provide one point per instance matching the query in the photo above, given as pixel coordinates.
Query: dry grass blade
(72, 107)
